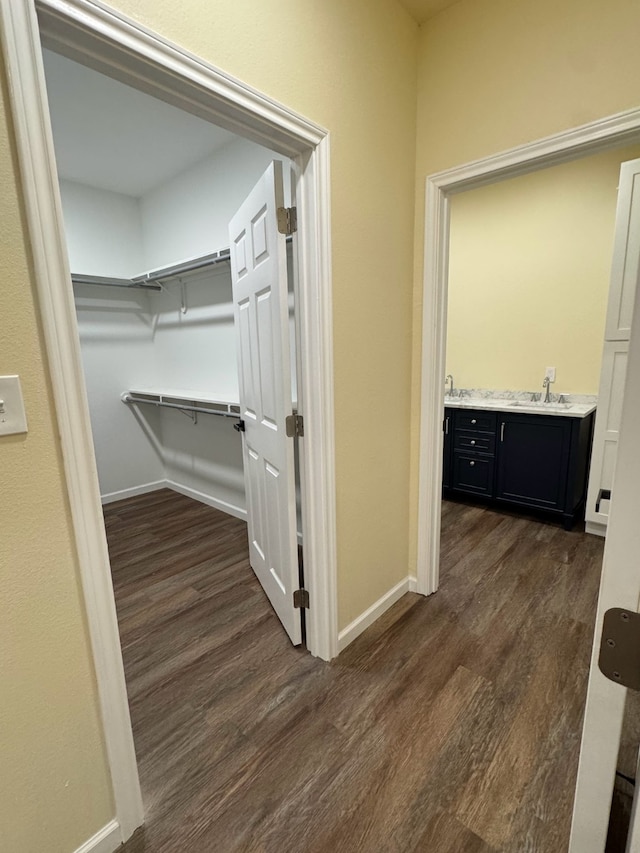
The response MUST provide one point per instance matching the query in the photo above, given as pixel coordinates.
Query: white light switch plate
(12, 415)
(550, 374)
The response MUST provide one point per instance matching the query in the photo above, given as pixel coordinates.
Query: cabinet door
(473, 473)
(605, 439)
(446, 460)
(533, 458)
(625, 265)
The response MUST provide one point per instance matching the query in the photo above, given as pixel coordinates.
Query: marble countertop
(569, 409)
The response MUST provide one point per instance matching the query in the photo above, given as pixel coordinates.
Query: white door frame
(611, 132)
(92, 33)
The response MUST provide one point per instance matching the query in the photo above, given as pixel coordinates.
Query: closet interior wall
(177, 340)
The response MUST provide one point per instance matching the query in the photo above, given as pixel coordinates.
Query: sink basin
(539, 404)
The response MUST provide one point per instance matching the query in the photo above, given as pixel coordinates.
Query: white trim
(91, 32)
(606, 133)
(106, 840)
(203, 498)
(364, 620)
(595, 529)
(133, 492)
(317, 480)
(413, 583)
(23, 59)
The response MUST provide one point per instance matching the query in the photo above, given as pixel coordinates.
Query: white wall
(189, 215)
(104, 237)
(196, 351)
(117, 353)
(143, 339)
(104, 231)
(205, 459)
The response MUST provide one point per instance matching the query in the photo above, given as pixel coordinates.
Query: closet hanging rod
(186, 267)
(226, 410)
(189, 266)
(106, 281)
(147, 281)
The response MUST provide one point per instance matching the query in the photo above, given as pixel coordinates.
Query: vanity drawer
(473, 473)
(473, 419)
(475, 442)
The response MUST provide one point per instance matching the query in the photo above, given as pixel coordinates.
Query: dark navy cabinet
(473, 452)
(473, 474)
(535, 461)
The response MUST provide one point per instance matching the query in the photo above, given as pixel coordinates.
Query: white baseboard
(596, 529)
(223, 506)
(413, 583)
(106, 840)
(111, 497)
(353, 630)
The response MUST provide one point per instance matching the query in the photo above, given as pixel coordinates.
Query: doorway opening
(615, 132)
(612, 132)
(531, 299)
(172, 378)
(104, 40)
(147, 194)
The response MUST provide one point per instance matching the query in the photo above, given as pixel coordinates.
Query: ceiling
(113, 137)
(422, 10)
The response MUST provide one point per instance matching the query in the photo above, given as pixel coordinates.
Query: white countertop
(566, 410)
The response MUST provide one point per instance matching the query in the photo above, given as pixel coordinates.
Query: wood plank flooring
(451, 726)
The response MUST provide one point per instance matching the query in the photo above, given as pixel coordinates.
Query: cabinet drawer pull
(502, 431)
(474, 421)
(472, 441)
(446, 426)
(472, 464)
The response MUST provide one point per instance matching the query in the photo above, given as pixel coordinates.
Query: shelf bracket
(183, 296)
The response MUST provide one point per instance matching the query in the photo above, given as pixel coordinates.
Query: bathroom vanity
(519, 454)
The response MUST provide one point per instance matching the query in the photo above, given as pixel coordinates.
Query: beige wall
(54, 790)
(498, 73)
(352, 68)
(529, 263)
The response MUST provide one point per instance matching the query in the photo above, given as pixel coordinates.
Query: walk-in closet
(148, 193)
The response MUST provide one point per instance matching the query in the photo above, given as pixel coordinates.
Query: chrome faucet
(546, 383)
(448, 378)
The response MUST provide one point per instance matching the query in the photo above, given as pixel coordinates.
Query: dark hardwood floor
(451, 726)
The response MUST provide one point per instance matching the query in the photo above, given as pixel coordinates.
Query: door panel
(605, 440)
(266, 359)
(626, 254)
(259, 275)
(533, 459)
(446, 449)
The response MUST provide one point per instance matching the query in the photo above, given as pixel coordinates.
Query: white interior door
(620, 587)
(259, 275)
(625, 267)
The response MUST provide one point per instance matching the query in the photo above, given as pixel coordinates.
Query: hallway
(451, 725)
